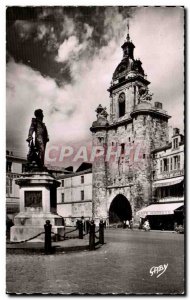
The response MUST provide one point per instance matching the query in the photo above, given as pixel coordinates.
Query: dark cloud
(34, 35)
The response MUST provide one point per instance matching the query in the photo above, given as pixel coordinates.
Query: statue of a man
(37, 147)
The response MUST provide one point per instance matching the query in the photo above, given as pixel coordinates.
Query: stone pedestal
(38, 203)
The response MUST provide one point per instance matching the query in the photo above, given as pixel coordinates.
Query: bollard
(101, 232)
(47, 245)
(92, 236)
(80, 227)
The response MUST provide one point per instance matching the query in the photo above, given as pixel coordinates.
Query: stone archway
(120, 209)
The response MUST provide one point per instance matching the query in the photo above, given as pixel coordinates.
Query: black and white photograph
(95, 137)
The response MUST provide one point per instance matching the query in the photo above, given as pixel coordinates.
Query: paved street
(121, 266)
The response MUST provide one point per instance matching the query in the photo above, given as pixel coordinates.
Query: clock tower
(136, 126)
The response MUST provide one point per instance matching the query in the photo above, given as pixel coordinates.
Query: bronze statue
(37, 148)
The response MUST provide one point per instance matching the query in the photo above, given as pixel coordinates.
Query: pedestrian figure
(146, 225)
(131, 224)
(127, 224)
(124, 224)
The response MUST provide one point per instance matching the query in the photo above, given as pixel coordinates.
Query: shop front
(163, 216)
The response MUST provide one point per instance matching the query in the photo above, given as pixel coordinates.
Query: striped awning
(159, 209)
(167, 182)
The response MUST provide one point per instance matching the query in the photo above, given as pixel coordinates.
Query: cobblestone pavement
(121, 266)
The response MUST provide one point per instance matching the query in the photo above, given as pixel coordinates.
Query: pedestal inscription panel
(33, 198)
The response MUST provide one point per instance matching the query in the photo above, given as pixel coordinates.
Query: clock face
(121, 97)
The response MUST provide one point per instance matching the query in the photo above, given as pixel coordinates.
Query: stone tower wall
(150, 132)
(99, 179)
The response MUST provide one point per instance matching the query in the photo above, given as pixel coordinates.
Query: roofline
(168, 146)
(162, 148)
(129, 120)
(74, 174)
(150, 111)
(16, 158)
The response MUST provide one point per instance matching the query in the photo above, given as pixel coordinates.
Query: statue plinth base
(37, 204)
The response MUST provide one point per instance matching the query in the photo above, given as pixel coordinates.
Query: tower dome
(128, 62)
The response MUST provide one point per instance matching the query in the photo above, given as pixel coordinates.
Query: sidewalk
(58, 247)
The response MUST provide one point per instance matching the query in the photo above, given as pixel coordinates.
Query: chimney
(158, 105)
(176, 131)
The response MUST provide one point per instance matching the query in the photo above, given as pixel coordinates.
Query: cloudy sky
(62, 60)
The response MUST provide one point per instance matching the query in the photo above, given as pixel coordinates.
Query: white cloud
(69, 49)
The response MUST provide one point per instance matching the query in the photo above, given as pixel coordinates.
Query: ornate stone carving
(101, 112)
(144, 95)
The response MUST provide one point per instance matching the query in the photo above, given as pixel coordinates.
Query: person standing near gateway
(37, 150)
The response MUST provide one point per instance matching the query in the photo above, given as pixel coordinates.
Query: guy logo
(158, 270)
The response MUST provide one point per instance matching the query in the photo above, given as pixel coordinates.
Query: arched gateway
(120, 209)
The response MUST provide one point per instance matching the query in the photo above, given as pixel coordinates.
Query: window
(161, 166)
(153, 175)
(82, 179)
(9, 182)
(176, 162)
(144, 155)
(144, 121)
(122, 148)
(175, 143)
(154, 155)
(129, 139)
(63, 197)
(121, 105)
(166, 164)
(82, 195)
(62, 183)
(8, 166)
(171, 164)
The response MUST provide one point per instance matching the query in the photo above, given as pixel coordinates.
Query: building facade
(74, 196)
(167, 185)
(168, 170)
(137, 127)
(15, 166)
